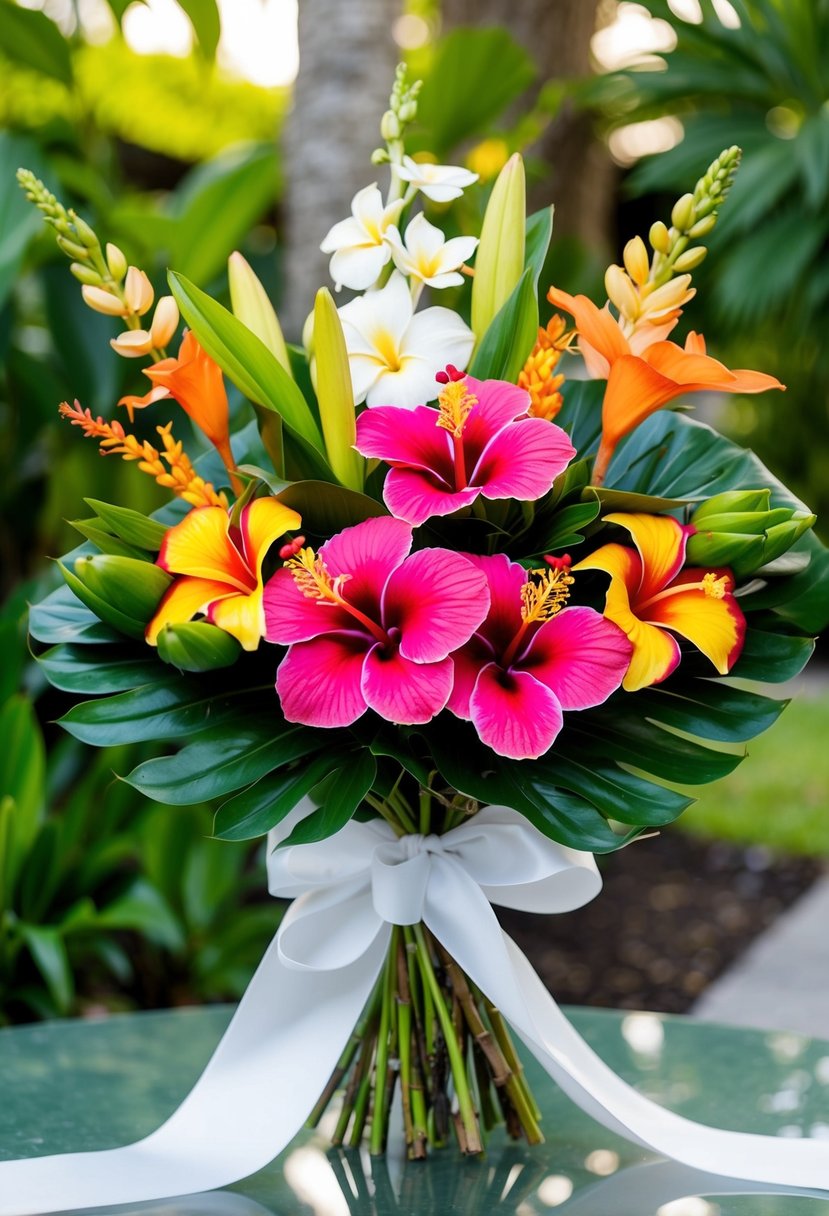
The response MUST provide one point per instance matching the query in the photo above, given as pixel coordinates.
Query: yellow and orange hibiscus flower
(220, 568)
(645, 372)
(651, 598)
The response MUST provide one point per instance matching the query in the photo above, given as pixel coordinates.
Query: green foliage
(765, 286)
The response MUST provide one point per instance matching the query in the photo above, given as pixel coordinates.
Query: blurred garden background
(186, 129)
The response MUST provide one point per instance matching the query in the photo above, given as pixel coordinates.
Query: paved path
(782, 980)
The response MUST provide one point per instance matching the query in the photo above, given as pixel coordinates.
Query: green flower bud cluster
(75, 237)
(402, 111)
(742, 530)
(693, 216)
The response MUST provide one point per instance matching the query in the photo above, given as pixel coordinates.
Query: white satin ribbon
(313, 982)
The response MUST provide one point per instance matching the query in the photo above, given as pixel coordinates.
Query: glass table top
(68, 1086)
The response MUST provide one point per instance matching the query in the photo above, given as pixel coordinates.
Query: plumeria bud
(165, 322)
(133, 343)
(71, 248)
(335, 393)
(85, 274)
(637, 262)
(116, 261)
(380, 156)
(499, 263)
(621, 292)
(390, 128)
(138, 291)
(702, 227)
(691, 258)
(683, 213)
(85, 234)
(743, 531)
(659, 237)
(408, 111)
(250, 303)
(100, 300)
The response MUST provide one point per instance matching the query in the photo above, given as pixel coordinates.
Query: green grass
(779, 795)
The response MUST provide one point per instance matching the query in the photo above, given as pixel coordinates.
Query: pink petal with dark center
(437, 599)
(505, 580)
(405, 437)
(416, 496)
(367, 553)
(292, 617)
(514, 714)
(468, 662)
(318, 682)
(403, 692)
(523, 460)
(580, 655)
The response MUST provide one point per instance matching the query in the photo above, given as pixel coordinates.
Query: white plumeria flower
(393, 352)
(427, 255)
(440, 183)
(358, 243)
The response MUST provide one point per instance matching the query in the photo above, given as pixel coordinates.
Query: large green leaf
(48, 951)
(339, 797)
(327, 508)
(217, 204)
(257, 810)
(131, 526)
(205, 20)
(222, 760)
(29, 38)
(61, 617)
(98, 670)
(20, 220)
(245, 359)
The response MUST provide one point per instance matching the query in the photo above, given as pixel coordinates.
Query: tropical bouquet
(428, 583)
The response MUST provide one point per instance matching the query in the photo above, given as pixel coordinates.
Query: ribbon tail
(460, 915)
(254, 1095)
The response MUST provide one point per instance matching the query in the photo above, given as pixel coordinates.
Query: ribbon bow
(311, 986)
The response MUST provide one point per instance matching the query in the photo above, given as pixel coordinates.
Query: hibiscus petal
(514, 713)
(468, 661)
(404, 692)
(292, 617)
(504, 580)
(437, 599)
(184, 599)
(580, 655)
(716, 627)
(406, 437)
(416, 496)
(262, 522)
(241, 616)
(661, 541)
(523, 460)
(318, 682)
(622, 563)
(655, 653)
(200, 546)
(498, 403)
(367, 553)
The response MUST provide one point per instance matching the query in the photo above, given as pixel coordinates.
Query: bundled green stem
(427, 1029)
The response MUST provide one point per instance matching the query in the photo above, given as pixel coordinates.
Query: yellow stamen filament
(712, 586)
(177, 474)
(455, 403)
(544, 594)
(537, 378)
(313, 579)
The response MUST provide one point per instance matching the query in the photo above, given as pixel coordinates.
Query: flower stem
(379, 1119)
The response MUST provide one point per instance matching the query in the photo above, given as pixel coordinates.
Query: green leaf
(97, 671)
(48, 952)
(61, 617)
(22, 773)
(205, 20)
(197, 646)
(21, 220)
(474, 75)
(222, 760)
(172, 708)
(710, 709)
(340, 796)
(29, 38)
(257, 810)
(539, 233)
(131, 526)
(245, 359)
(326, 508)
(91, 530)
(772, 657)
(143, 910)
(217, 204)
(639, 744)
(509, 339)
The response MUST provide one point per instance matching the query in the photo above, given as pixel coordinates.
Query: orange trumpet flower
(640, 381)
(197, 384)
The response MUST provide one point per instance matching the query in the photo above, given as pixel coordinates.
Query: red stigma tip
(449, 375)
(559, 563)
(292, 548)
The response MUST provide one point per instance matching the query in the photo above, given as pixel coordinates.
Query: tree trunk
(347, 61)
(579, 173)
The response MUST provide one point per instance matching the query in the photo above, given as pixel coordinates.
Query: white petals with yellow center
(425, 254)
(440, 183)
(358, 243)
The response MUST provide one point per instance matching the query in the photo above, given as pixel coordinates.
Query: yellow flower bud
(251, 305)
(116, 261)
(499, 262)
(72, 249)
(85, 234)
(132, 344)
(165, 322)
(682, 216)
(138, 291)
(659, 237)
(670, 295)
(621, 292)
(703, 227)
(103, 301)
(691, 258)
(636, 260)
(85, 274)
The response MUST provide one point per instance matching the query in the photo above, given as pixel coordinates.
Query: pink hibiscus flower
(370, 627)
(532, 658)
(480, 440)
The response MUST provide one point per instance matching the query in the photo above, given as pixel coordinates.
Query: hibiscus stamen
(713, 586)
(315, 581)
(543, 595)
(455, 403)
